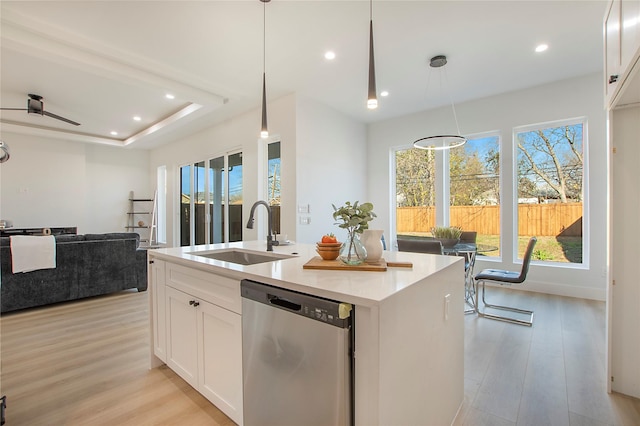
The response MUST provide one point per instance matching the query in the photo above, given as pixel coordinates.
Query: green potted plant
(449, 236)
(355, 219)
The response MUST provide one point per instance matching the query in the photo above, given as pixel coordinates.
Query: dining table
(469, 251)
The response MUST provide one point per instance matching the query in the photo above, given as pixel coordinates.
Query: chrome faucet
(271, 240)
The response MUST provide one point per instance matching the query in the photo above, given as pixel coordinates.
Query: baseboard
(560, 290)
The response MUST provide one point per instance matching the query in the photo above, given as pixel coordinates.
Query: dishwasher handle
(284, 303)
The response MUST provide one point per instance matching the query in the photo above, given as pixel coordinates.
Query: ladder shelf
(135, 217)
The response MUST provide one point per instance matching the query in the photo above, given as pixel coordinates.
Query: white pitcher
(372, 240)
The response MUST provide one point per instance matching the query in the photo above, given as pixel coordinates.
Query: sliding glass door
(211, 200)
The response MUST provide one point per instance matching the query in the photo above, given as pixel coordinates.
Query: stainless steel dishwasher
(297, 358)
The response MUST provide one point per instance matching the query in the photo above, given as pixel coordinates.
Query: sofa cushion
(106, 266)
(43, 286)
(114, 236)
(69, 238)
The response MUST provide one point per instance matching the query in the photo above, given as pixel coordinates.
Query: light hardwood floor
(86, 363)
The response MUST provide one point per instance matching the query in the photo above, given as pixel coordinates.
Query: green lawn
(555, 249)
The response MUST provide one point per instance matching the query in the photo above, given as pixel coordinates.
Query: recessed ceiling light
(137, 118)
(169, 96)
(541, 48)
(330, 55)
(384, 93)
(114, 133)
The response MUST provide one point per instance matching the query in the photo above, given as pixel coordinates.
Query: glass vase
(353, 251)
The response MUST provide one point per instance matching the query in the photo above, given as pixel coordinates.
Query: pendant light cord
(453, 108)
(264, 37)
(443, 76)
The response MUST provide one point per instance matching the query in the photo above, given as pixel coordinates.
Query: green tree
(474, 178)
(415, 178)
(492, 166)
(467, 184)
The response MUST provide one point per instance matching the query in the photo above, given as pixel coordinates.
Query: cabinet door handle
(194, 303)
(151, 262)
(613, 78)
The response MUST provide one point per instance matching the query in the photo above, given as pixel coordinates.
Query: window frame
(206, 200)
(442, 187)
(585, 191)
(483, 135)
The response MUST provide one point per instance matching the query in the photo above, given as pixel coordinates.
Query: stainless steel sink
(241, 257)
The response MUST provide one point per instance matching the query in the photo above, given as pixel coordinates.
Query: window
(461, 187)
(161, 203)
(235, 198)
(415, 191)
(474, 189)
(274, 176)
(185, 205)
(199, 183)
(216, 198)
(217, 185)
(550, 195)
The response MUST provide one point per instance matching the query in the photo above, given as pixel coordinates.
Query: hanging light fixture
(264, 130)
(372, 99)
(439, 142)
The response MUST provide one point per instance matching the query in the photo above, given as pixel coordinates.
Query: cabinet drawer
(221, 291)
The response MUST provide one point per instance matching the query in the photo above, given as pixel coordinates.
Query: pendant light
(264, 130)
(439, 142)
(372, 99)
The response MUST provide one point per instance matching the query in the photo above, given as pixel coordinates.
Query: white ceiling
(102, 62)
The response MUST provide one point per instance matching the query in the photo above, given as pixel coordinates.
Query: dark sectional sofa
(86, 265)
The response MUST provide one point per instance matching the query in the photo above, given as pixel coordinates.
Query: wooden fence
(557, 219)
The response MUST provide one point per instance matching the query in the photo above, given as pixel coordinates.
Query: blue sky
(235, 179)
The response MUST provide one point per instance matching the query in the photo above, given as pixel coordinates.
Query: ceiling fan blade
(13, 109)
(57, 117)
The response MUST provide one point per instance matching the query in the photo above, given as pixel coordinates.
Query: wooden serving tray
(336, 265)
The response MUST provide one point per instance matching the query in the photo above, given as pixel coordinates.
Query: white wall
(322, 163)
(331, 167)
(54, 183)
(238, 133)
(560, 100)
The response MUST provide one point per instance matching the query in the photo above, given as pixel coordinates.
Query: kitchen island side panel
(422, 351)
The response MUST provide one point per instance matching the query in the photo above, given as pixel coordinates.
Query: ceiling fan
(36, 106)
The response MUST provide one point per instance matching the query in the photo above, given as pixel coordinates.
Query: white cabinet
(182, 336)
(203, 336)
(612, 49)
(629, 32)
(622, 45)
(156, 275)
(220, 358)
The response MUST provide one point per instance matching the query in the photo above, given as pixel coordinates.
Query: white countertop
(357, 287)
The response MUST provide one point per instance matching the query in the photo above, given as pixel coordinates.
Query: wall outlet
(305, 220)
(304, 208)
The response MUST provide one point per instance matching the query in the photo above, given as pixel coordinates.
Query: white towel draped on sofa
(30, 253)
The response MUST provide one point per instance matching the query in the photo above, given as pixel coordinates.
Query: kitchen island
(409, 332)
